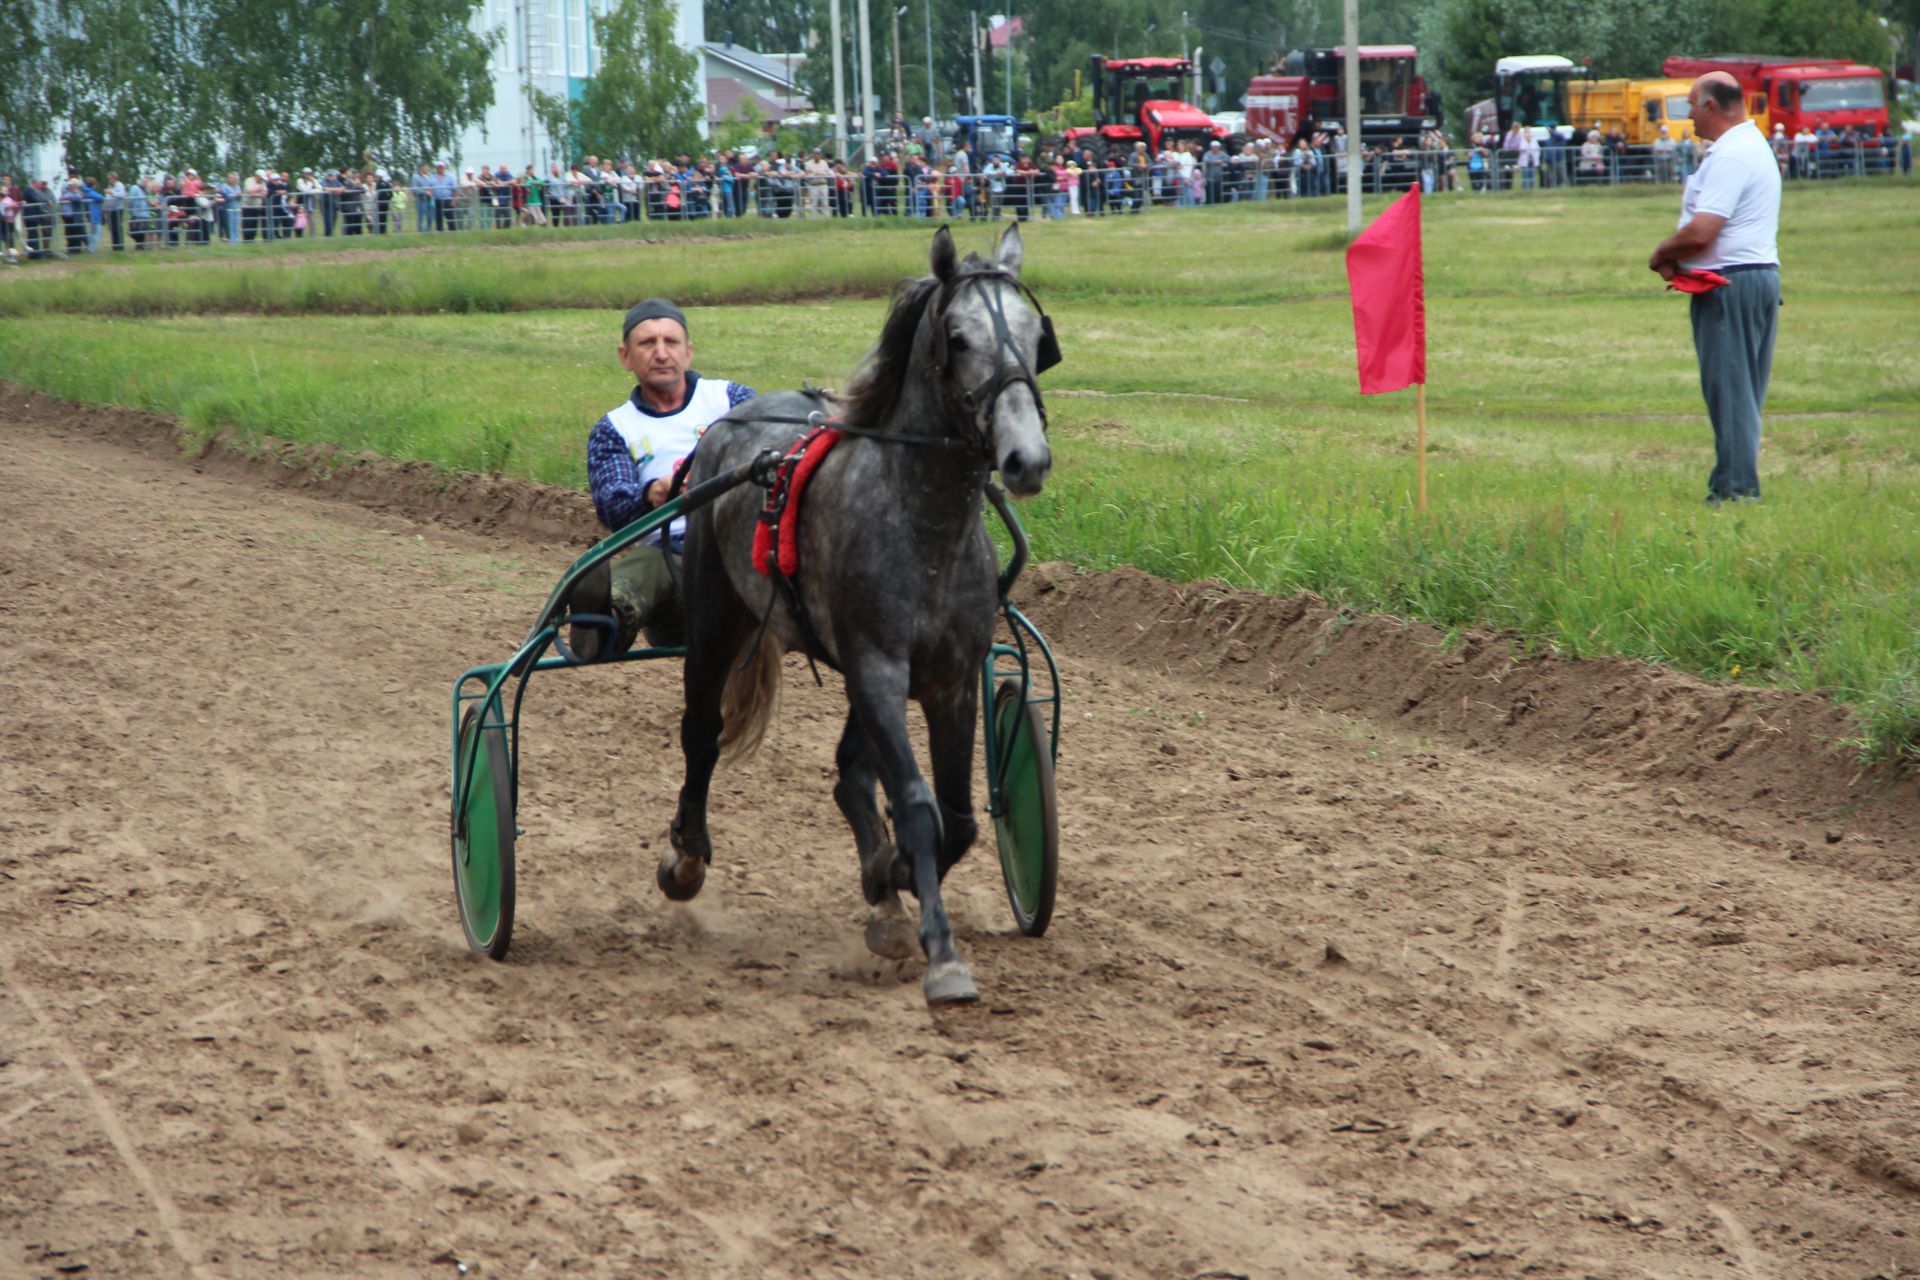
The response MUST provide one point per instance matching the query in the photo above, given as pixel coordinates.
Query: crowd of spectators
(913, 173)
(1600, 155)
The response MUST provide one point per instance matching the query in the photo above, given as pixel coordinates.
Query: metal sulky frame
(1022, 742)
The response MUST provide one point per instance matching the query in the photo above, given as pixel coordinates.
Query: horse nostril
(1024, 473)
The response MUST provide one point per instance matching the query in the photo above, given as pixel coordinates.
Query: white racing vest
(657, 442)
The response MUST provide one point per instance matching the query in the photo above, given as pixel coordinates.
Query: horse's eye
(956, 342)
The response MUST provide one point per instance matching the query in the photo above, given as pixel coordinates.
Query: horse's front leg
(951, 721)
(889, 933)
(877, 690)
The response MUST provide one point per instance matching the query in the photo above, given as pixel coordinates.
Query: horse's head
(990, 341)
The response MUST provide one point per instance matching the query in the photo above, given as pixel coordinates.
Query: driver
(631, 456)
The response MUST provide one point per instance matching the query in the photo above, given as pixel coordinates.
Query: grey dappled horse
(896, 576)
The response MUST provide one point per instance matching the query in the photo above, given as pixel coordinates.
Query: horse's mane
(875, 386)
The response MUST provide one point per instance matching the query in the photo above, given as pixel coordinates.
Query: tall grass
(1199, 437)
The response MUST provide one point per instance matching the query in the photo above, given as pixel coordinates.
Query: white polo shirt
(1740, 181)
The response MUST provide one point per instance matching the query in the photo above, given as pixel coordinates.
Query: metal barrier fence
(162, 222)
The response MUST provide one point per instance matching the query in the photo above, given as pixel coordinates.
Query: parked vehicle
(991, 136)
(1306, 93)
(1636, 108)
(1534, 89)
(1142, 100)
(1798, 92)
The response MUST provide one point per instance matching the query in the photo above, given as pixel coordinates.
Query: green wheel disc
(1028, 824)
(483, 833)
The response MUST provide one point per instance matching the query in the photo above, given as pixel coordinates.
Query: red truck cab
(1795, 92)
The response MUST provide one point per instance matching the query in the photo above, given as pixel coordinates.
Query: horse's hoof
(949, 983)
(889, 935)
(666, 875)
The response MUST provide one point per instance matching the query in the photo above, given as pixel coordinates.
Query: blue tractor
(991, 136)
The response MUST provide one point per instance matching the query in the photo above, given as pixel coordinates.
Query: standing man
(229, 208)
(331, 190)
(37, 208)
(1663, 153)
(1730, 224)
(420, 187)
(443, 186)
(961, 168)
(631, 456)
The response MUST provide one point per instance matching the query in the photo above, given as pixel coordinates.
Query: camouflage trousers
(646, 598)
(640, 588)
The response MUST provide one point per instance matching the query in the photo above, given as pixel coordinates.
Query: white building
(547, 45)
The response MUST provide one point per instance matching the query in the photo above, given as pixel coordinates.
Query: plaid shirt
(613, 473)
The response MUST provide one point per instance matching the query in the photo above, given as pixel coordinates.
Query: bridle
(975, 406)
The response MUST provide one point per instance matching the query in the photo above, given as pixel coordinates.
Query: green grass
(1206, 420)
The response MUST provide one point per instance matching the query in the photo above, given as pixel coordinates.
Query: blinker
(1049, 353)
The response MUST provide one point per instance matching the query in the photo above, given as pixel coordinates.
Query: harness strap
(776, 536)
(783, 505)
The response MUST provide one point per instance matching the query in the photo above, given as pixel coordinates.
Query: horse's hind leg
(889, 933)
(716, 629)
(878, 692)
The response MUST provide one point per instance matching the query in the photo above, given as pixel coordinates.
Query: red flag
(1389, 307)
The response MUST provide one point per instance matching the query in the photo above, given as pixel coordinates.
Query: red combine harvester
(1141, 100)
(1798, 91)
(1306, 94)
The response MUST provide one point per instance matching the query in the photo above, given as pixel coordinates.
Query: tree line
(135, 84)
(132, 84)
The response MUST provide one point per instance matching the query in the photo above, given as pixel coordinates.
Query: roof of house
(781, 68)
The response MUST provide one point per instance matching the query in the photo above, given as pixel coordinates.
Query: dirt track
(1373, 957)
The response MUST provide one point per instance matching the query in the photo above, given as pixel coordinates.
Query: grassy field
(1206, 419)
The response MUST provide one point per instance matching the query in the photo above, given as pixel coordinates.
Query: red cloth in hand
(1686, 281)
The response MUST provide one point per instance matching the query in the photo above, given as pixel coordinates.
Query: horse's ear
(1010, 252)
(943, 255)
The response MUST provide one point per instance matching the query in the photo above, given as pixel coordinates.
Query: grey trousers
(1733, 332)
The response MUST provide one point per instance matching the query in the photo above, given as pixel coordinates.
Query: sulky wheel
(1027, 825)
(483, 833)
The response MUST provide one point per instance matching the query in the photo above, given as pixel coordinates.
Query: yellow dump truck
(1635, 107)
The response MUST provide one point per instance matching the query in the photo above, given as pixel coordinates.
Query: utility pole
(973, 98)
(1352, 80)
(839, 90)
(899, 98)
(933, 107)
(866, 80)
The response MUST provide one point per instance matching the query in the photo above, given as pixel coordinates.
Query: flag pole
(1422, 411)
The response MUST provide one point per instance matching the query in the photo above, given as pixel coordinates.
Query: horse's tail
(747, 703)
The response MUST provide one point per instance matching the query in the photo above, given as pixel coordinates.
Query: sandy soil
(1374, 956)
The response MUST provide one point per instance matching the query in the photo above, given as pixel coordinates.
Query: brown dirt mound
(1732, 748)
